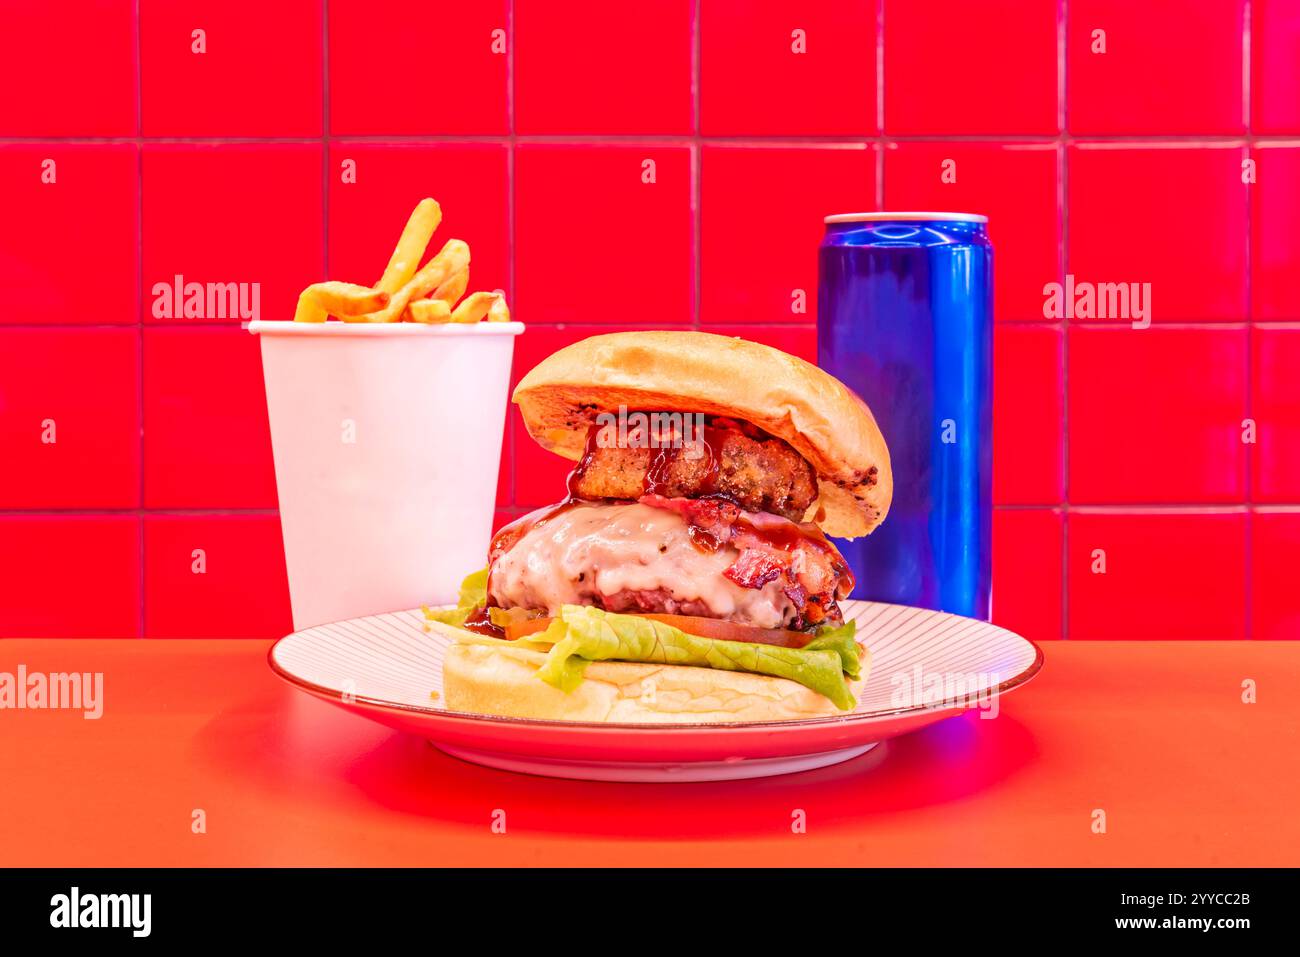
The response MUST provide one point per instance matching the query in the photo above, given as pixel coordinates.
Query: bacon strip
(812, 572)
(755, 568)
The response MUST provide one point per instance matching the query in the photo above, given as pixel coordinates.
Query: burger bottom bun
(503, 681)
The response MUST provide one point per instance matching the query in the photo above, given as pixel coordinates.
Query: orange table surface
(1154, 734)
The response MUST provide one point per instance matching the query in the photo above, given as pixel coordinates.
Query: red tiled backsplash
(1114, 446)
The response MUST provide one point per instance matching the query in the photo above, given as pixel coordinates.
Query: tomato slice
(715, 628)
(522, 629)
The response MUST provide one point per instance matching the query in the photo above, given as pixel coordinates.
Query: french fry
(451, 291)
(474, 307)
(405, 293)
(452, 258)
(408, 252)
(309, 310)
(428, 310)
(338, 299)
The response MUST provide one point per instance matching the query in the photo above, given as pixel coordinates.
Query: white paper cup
(387, 442)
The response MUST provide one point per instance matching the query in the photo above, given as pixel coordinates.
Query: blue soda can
(905, 319)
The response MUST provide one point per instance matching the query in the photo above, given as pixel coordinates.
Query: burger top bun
(719, 375)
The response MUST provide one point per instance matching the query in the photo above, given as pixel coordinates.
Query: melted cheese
(594, 551)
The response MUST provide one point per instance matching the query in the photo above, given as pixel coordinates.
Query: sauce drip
(787, 536)
(659, 473)
(667, 444)
(579, 470)
(508, 536)
(715, 522)
(480, 622)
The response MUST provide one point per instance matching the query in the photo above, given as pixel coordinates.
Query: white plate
(925, 666)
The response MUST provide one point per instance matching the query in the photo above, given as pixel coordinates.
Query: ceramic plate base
(925, 666)
(731, 769)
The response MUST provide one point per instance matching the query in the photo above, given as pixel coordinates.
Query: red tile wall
(641, 166)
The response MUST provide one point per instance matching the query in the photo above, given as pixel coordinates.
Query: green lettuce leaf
(840, 639)
(582, 635)
(473, 595)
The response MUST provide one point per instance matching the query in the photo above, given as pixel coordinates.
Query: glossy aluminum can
(905, 319)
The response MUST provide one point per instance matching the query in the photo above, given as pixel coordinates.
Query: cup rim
(349, 330)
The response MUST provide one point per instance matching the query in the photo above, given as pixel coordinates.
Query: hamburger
(687, 576)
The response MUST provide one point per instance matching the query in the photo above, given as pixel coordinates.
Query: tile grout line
(326, 139)
(1063, 268)
(794, 141)
(1248, 563)
(697, 164)
(127, 512)
(1124, 508)
(508, 436)
(139, 315)
(880, 105)
(1284, 325)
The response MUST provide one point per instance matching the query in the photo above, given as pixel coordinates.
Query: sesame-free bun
(483, 679)
(719, 375)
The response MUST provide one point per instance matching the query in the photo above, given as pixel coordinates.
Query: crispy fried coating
(759, 474)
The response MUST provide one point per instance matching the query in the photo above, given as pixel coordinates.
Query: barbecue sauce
(781, 535)
(480, 622)
(509, 535)
(579, 470)
(786, 536)
(706, 445)
(665, 449)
